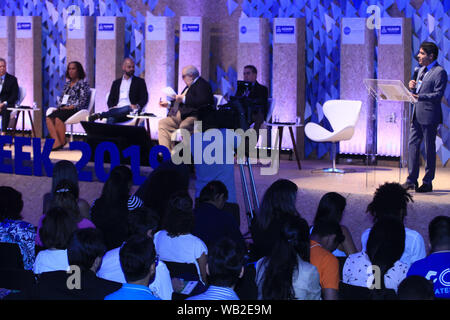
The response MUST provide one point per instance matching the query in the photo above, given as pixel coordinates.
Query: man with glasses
(9, 93)
(184, 110)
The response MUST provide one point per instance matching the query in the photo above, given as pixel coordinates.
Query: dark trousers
(417, 134)
(5, 118)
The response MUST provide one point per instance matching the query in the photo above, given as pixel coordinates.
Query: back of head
(386, 244)
(116, 189)
(65, 170)
(212, 190)
(84, 247)
(225, 262)
(136, 257)
(415, 288)
(57, 228)
(439, 233)
(64, 197)
(283, 261)
(179, 217)
(390, 199)
(323, 229)
(11, 204)
(278, 201)
(141, 220)
(331, 207)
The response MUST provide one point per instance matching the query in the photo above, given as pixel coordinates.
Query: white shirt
(186, 248)
(111, 270)
(2, 81)
(414, 246)
(124, 95)
(358, 268)
(51, 260)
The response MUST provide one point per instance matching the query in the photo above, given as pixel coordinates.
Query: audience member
(286, 273)
(66, 170)
(212, 223)
(435, 266)
(12, 228)
(64, 197)
(224, 268)
(55, 232)
(127, 94)
(331, 208)
(75, 97)
(384, 248)
(278, 203)
(184, 110)
(138, 260)
(325, 237)
(391, 200)
(9, 94)
(141, 221)
(110, 211)
(175, 243)
(415, 288)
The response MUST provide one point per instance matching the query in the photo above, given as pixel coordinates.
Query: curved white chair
(22, 95)
(81, 115)
(343, 116)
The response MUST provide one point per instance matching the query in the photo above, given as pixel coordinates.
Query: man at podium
(428, 87)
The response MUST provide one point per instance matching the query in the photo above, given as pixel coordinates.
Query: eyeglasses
(185, 75)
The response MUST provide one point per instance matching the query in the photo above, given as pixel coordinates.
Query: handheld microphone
(416, 73)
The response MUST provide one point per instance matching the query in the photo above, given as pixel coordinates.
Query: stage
(358, 187)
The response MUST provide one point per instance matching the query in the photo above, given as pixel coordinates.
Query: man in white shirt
(128, 94)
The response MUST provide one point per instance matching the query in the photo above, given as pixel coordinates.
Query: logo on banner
(243, 29)
(191, 27)
(347, 30)
(150, 28)
(23, 25)
(106, 27)
(391, 30)
(285, 30)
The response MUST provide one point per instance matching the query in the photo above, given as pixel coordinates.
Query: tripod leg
(252, 182)
(247, 200)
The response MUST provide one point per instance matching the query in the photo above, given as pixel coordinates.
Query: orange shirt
(327, 265)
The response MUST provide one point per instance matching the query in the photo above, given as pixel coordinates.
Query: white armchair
(343, 116)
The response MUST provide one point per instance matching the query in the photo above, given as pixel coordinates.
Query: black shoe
(58, 148)
(94, 117)
(410, 186)
(426, 187)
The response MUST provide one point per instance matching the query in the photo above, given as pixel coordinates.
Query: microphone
(416, 73)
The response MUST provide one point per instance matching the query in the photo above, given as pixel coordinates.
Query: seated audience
(66, 170)
(175, 243)
(138, 260)
(331, 208)
(55, 232)
(436, 265)
(278, 203)
(64, 197)
(84, 251)
(224, 268)
(286, 273)
(391, 200)
(415, 288)
(75, 97)
(211, 221)
(141, 221)
(384, 248)
(12, 228)
(110, 211)
(325, 237)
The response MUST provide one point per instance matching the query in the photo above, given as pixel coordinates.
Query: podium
(395, 91)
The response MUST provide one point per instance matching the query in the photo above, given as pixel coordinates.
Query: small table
(143, 116)
(290, 125)
(24, 110)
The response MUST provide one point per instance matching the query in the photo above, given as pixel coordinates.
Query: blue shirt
(216, 293)
(132, 292)
(435, 267)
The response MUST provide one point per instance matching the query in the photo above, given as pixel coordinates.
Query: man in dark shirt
(9, 93)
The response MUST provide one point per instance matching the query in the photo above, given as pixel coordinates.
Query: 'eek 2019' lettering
(41, 158)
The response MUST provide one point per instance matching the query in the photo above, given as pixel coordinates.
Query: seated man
(127, 94)
(252, 97)
(184, 110)
(9, 93)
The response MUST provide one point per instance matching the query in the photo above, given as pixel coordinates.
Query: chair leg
(71, 133)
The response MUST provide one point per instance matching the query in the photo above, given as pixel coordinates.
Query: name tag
(65, 99)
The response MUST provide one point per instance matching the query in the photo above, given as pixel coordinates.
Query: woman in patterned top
(76, 94)
(12, 228)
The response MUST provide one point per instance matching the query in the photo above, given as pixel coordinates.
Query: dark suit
(258, 94)
(10, 94)
(251, 103)
(427, 115)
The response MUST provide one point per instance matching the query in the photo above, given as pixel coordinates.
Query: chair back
(22, 94)
(218, 100)
(10, 256)
(271, 103)
(92, 100)
(342, 113)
